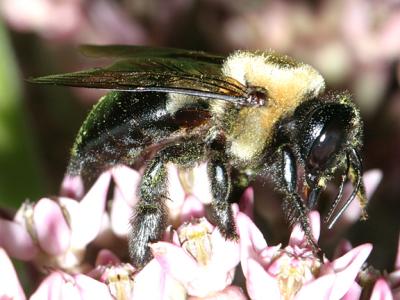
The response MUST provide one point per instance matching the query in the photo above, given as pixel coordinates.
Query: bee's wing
(159, 74)
(128, 51)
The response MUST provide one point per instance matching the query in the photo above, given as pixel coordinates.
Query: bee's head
(327, 134)
(329, 140)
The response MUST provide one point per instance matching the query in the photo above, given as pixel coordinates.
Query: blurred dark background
(355, 44)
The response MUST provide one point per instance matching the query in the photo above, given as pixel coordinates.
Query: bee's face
(326, 134)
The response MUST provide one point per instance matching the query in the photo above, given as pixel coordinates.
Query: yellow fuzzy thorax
(287, 82)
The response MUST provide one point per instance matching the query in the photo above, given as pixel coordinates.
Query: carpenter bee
(247, 114)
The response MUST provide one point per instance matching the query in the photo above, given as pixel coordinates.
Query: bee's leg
(150, 217)
(221, 186)
(293, 206)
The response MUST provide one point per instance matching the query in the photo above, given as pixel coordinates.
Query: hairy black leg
(294, 207)
(221, 212)
(150, 217)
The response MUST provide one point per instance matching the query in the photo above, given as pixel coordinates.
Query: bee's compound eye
(325, 146)
(323, 136)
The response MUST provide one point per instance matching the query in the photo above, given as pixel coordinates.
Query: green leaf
(20, 176)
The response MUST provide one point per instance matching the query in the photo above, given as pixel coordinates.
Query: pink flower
(44, 16)
(381, 291)
(199, 258)
(393, 278)
(125, 282)
(192, 262)
(10, 287)
(73, 20)
(384, 285)
(55, 233)
(294, 272)
(60, 285)
(211, 269)
(229, 293)
(124, 199)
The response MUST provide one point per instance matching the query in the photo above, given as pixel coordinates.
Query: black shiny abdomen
(121, 125)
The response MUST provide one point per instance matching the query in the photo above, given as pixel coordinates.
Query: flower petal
(297, 236)
(72, 187)
(59, 285)
(199, 280)
(248, 231)
(225, 253)
(176, 194)
(246, 203)
(191, 208)
(354, 258)
(372, 178)
(15, 240)
(175, 261)
(381, 291)
(90, 288)
(127, 181)
(87, 219)
(353, 293)
(260, 285)
(120, 215)
(201, 185)
(52, 230)
(106, 257)
(10, 288)
(229, 293)
(346, 269)
(343, 247)
(252, 241)
(394, 281)
(317, 289)
(149, 282)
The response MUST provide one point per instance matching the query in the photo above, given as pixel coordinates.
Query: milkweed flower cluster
(77, 243)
